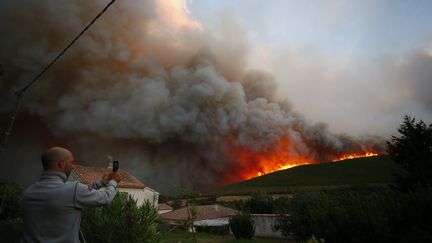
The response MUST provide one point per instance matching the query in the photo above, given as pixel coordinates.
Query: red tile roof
(87, 174)
(164, 206)
(203, 212)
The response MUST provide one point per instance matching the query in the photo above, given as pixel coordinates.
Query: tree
(242, 225)
(188, 223)
(260, 202)
(413, 151)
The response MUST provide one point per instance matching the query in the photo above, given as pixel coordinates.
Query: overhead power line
(20, 94)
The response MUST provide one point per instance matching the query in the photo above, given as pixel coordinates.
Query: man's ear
(61, 164)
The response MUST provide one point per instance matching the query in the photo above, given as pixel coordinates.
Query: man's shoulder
(38, 189)
(78, 185)
(74, 184)
(71, 183)
(28, 190)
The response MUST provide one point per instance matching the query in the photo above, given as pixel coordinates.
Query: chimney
(110, 162)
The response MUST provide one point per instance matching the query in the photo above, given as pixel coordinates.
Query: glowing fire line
(282, 167)
(354, 156)
(290, 165)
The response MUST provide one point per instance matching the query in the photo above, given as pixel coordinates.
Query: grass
(187, 237)
(377, 170)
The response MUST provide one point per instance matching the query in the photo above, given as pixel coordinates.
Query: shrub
(242, 226)
(177, 204)
(260, 203)
(203, 201)
(11, 229)
(187, 224)
(10, 215)
(347, 216)
(120, 221)
(216, 230)
(10, 198)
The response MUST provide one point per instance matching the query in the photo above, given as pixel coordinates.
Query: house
(206, 215)
(129, 184)
(264, 226)
(164, 208)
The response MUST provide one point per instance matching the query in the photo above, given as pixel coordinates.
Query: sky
(357, 66)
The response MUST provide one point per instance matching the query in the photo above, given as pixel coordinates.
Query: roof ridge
(87, 174)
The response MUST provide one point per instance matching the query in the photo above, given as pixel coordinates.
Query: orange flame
(355, 156)
(261, 163)
(256, 164)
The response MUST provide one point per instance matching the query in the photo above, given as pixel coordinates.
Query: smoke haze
(347, 63)
(174, 102)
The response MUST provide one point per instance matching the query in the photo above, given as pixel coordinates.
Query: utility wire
(20, 93)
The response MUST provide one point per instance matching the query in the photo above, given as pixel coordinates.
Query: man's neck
(49, 173)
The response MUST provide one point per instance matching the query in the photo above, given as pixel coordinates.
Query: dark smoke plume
(149, 86)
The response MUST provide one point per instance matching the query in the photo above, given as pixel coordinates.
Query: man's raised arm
(87, 196)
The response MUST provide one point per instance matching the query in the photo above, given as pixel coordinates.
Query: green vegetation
(351, 201)
(242, 226)
(370, 170)
(380, 215)
(186, 237)
(10, 215)
(383, 215)
(258, 203)
(413, 151)
(188, 223)
(120, 221)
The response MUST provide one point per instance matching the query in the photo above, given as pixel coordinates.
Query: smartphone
(115, 165)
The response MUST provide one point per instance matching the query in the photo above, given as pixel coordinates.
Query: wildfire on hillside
(283, 156)
(355, 156)
(157, 89)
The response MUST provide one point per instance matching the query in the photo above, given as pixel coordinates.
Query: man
(52, 206)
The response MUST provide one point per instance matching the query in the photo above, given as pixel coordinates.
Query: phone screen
(115, 166)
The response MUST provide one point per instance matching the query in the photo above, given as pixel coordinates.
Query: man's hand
(116, 176)
(106, 177)
(111, 176)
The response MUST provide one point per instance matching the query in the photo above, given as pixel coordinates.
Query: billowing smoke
(417, 74)
(151, 87)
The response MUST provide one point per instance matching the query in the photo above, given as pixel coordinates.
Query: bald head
(53, 156)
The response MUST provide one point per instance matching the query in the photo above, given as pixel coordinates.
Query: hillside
(369, 170)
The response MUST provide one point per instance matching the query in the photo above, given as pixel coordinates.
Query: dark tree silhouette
(413, 151)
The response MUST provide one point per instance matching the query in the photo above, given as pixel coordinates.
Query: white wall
(263, 225)
(212, 222)
(142, 195)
